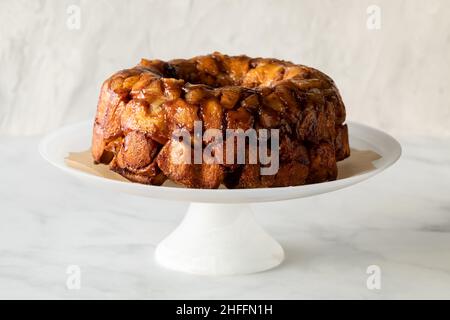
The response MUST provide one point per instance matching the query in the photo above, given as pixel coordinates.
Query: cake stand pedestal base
(215, 238)
(219, 239)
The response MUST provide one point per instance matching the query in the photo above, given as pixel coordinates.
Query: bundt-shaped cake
(140, 108)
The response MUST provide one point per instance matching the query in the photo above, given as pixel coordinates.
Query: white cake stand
(219, 235)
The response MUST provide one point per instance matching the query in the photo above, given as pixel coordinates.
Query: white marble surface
(395, 78)
(399, 220)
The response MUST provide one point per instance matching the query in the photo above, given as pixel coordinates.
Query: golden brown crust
(192, 175)
(139, 109)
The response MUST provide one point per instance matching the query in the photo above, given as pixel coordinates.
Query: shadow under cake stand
(219, 234)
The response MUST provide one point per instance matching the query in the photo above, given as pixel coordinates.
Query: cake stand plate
(219, 234)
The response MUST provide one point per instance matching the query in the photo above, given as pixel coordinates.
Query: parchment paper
(359, 162)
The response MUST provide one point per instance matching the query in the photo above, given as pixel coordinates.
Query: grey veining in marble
(395, 78)
(399, 220)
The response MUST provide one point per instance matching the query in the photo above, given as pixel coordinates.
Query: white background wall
(396, 78)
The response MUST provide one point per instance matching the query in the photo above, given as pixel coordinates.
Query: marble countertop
(398, 221)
